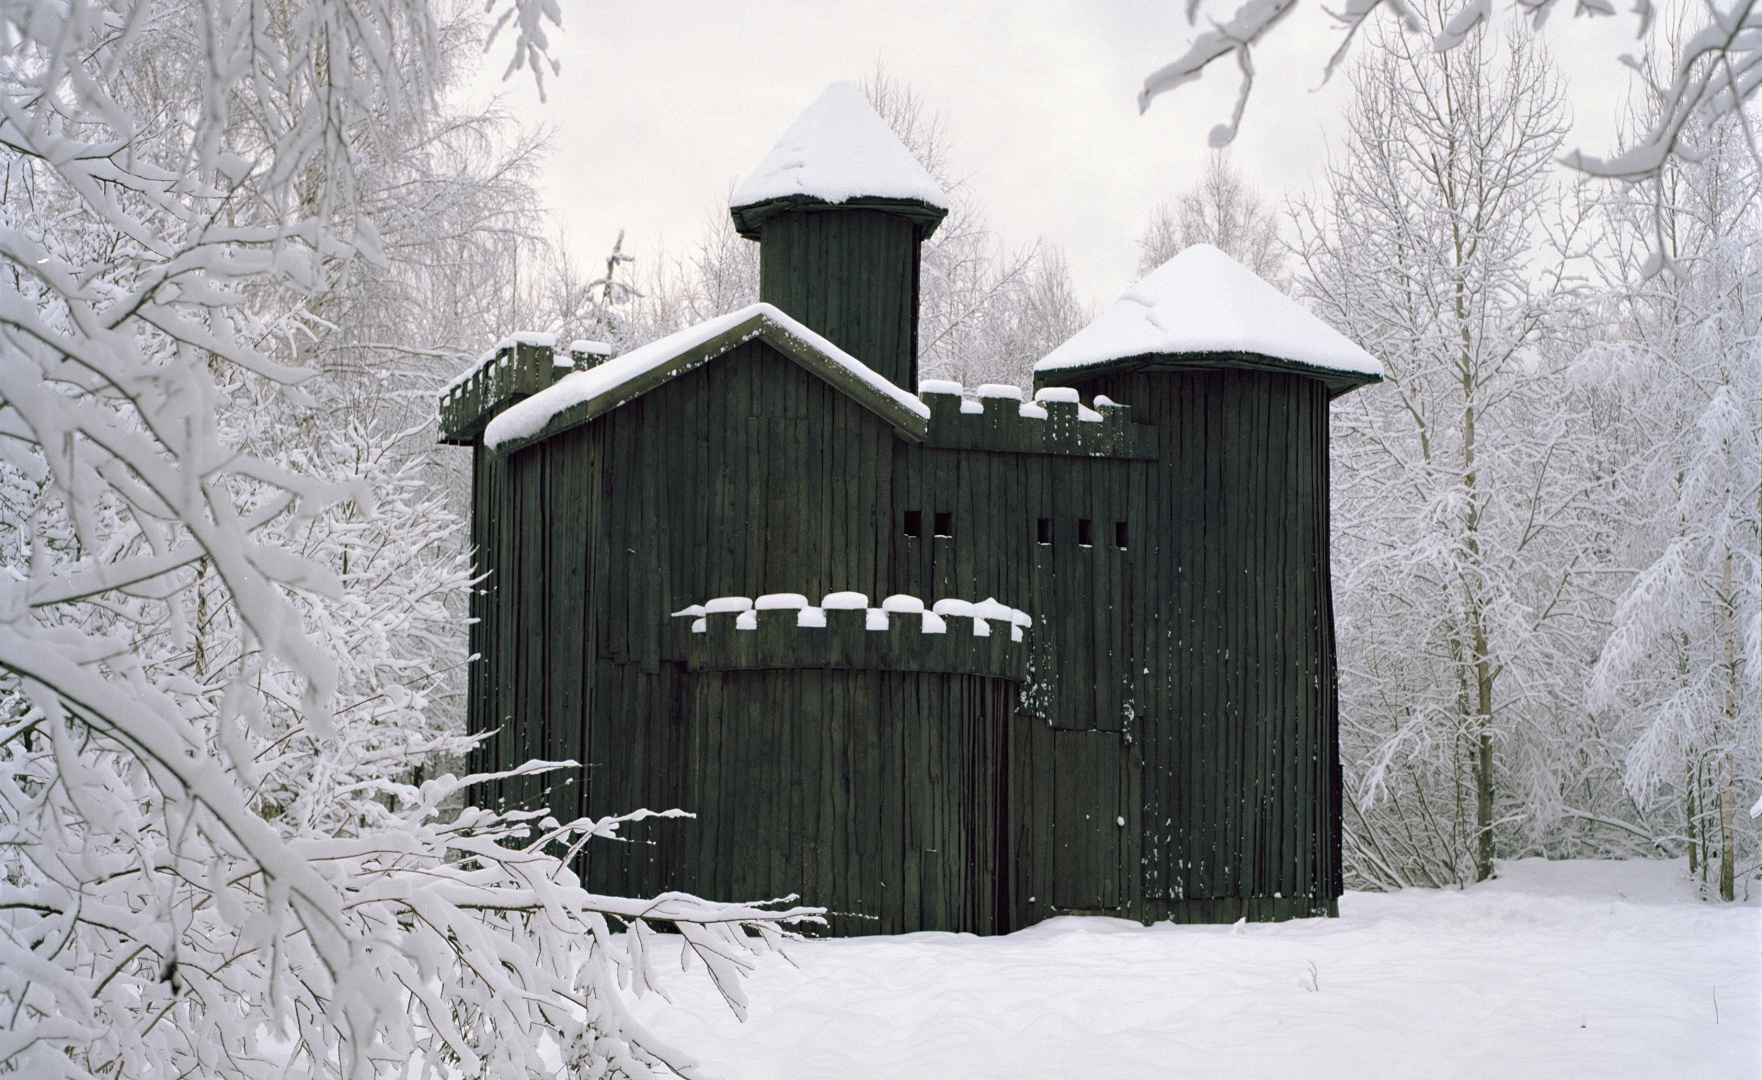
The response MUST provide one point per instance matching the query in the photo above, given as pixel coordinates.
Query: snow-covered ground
(1555, 970)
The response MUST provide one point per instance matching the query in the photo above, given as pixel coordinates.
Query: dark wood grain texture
(1183, 684)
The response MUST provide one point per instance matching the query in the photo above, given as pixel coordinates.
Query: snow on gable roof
(837, 151)
(582, 395)
(1202, 301)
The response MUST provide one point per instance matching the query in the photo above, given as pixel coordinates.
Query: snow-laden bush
(156, 927)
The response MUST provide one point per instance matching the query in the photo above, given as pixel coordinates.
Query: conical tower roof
(1205, 309)
(839, 153)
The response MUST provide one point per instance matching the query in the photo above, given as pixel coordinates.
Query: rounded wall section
(875, 794)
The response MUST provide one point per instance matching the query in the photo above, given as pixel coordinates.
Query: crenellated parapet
(1055, 422)
(782, 630)
(518, 367)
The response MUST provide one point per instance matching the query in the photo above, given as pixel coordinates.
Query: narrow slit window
(914, 523)
(1043, 531)
(944, 523)
(1085, 532)
(1119, 535)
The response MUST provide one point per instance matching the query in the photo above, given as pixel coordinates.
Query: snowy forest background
(246, 242)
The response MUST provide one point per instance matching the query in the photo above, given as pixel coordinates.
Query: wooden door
(1086, 821)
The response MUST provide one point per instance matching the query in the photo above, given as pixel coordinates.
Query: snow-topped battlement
(997, 418)
(518, 366)
(783, 630)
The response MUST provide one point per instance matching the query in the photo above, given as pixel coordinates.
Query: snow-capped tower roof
(1205, 309)
(839, 153)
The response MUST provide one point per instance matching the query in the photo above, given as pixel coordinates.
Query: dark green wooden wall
(1235, 743)
(877, 794)
(1170, 755)
(852, 276)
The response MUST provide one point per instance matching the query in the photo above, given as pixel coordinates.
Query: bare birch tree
(1454, 512)
(1222, 210)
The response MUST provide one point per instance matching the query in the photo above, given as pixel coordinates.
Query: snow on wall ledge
(501, 350)
(518, 365)
(1203, 301)
(528, 418)
(837, 150)
(783, 630)
(1055, 422)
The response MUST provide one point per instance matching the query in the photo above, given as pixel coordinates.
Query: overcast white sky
(662, 106)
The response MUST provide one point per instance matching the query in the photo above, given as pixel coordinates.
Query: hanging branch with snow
(1718, 70)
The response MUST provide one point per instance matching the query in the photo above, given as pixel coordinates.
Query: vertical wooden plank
(916, 800)
(618, 537)
(1237, 569)
(893, 826)
(1086, 807)
(737, 369)
(569, 594)
(867, 791)
(873, 510)
(1278, 603)
(847, 868)
(1262, 615)
(1205, 651)
(534, 536)
(837, 521)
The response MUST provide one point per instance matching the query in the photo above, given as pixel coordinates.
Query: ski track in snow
(1553, 970)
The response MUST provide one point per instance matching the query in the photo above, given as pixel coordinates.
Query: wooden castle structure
(931, 659)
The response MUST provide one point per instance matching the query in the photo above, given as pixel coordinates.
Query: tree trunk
(1478, 641)
(1482, 725)
(1727, 858)
(1689, 817)
(1483, 810)
(1727, 616)
(1692, 767)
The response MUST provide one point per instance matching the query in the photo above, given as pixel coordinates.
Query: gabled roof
(841, 153)
(1203, 308)
(581, 396)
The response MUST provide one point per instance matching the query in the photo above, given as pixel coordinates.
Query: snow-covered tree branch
(218, 673)
(1677, 672)
(1717, 70)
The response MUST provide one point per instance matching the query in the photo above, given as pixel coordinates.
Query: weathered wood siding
(746, 477)
(877, 794)
(851, 275)
(1171, 753)
(1234, 743)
